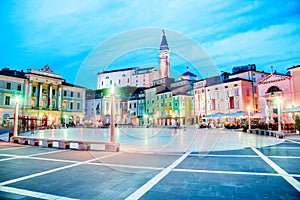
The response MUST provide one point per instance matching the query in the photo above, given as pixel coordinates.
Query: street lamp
(16, 117)
(112, 117)
(249, 121)
(279, 102)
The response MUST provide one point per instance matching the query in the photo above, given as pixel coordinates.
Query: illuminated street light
(17, 100)
(279, 102)
(249, 121)
(112, 117)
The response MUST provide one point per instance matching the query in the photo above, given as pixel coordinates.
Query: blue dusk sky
(78, 39)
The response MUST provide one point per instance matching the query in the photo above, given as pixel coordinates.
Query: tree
(297, 123)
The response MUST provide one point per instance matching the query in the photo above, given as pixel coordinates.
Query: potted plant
(297, 124)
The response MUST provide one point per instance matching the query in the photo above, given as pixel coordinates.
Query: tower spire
(164, 57)
(164, 44)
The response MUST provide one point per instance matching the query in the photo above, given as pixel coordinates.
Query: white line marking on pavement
(289, 157)
(146, 187)
(219, 155)
(293, 141)
(279, 170)
(54, 170)
(226, 172)
(27, 156)
(14, 148)
(32, 194)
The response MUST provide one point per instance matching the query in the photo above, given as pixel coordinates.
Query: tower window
(19, 87)
(8, 86)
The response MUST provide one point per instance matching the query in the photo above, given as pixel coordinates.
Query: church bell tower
(164, 58)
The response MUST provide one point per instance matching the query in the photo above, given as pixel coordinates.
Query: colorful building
(45, 97)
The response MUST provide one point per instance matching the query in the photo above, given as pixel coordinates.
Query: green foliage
(297, 122)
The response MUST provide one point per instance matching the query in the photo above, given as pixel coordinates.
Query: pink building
(295, 73)
(275, 94)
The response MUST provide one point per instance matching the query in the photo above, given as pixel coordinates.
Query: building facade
(45, 98)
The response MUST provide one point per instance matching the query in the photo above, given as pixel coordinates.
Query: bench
(65, 144)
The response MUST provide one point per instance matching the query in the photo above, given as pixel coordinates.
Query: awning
(6, 115)
(293, 109)
(215, 115)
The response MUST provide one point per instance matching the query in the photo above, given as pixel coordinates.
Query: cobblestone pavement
(263, 172)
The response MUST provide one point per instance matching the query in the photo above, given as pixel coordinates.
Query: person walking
(32, 127)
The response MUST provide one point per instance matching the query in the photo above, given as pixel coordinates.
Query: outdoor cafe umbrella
(215, 115)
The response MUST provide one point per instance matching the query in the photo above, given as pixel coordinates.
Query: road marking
(14, 148)
(226, 172)
(288, 157)
(293, 141)
(54, 170)
(146, 187)
(29, 193)
(27, 156)
(232, 156)
(279, 170)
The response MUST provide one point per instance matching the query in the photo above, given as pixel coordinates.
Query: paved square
(263, 172)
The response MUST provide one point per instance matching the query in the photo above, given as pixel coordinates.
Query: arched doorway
(273, 89)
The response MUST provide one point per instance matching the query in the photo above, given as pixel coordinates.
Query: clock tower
(164, 58)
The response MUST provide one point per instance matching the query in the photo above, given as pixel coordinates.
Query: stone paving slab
(87, 182)
(288, 164)
(186, 185)
(280, 151)
(236, 164)
(243, 174)
(245, 151)
(75, 155)
(28, 150)
(136, 159)
(12, 169)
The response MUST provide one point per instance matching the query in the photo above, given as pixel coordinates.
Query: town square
(139, 100)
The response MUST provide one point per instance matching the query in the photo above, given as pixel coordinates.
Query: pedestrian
(32, 127)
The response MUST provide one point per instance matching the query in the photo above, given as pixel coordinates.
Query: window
(176, 104)
(65, 93)
(248, 92)
(235, 85)
(33, 89)
(78, 95)
(227, 93)
(110, 82)
(107, 77)
(53, 92)
(7, 100)
(71, 105)
(8, 86)
(128, 80)
(78, 106)
(19, 87)
(102, 83)
(170, 104)
(236, 92)
(119, 81)
(71, 94)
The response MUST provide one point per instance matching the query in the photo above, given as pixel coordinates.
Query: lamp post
(112, 117)
(279, 101)
(249, 121)
(16, 117)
